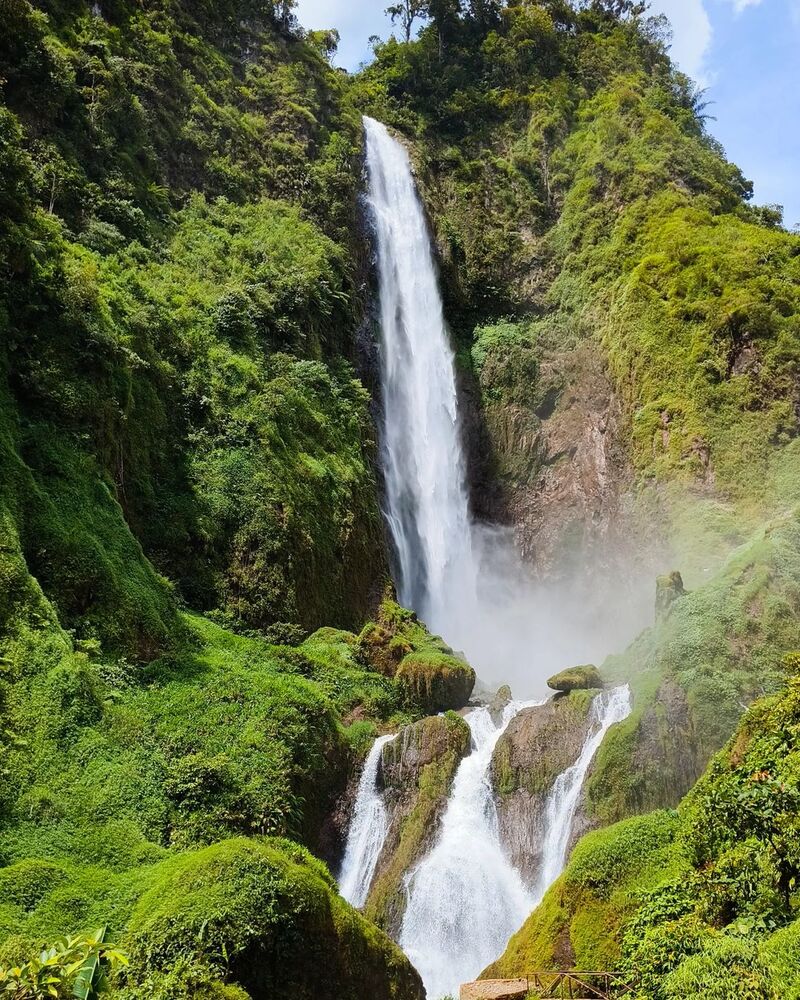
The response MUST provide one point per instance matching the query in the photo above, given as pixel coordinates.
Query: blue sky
(746, 52)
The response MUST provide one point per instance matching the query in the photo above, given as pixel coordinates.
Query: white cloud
(740, 5)
(692, 34)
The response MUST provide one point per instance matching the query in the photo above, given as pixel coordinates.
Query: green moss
(577, 679)
(264, 913)
(436, 681)
(583, 914)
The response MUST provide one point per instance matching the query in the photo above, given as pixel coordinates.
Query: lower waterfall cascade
(465, 899)
(367, 830)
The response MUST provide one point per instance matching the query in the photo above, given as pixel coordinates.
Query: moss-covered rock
(584, 678)
(436, 681)
(539, 744)
(417, 771)
(701, 901)
(266, 916)
(431, 677)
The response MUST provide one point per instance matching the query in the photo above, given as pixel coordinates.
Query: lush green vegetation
(182, 281)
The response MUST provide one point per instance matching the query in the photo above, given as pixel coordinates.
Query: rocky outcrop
(432, 677)
(417, 771)
(668, 589)
(537, 746)
(583, 678)
(562, 464)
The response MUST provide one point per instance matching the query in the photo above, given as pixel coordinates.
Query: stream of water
(465, 899)
(368, 826)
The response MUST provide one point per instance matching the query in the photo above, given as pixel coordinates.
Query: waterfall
(465, 899)
(426, 495)
(368, 828)
(607, 709)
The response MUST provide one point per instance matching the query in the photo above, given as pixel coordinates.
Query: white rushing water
(368, 827)
(607, 709)
(465, 899)
(426, 495)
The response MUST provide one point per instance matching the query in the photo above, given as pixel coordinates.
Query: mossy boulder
(436, 681)
(431, 677)
(417, 771)
(264, 916)
(584, 678)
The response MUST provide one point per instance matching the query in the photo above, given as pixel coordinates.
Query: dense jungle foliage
(195, 643)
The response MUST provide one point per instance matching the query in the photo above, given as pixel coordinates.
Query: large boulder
(436, 681)
(584, 678)
(265, 916)
(538, 745)
(417, 771)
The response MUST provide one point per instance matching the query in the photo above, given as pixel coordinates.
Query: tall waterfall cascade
(368, 827)
(426, 494)
(465, 898)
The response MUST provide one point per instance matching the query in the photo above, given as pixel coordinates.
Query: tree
(444, 14)
(484, 13)
(407, 13)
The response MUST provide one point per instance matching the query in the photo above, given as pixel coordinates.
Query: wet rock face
(537, 746)
(417, 771)
(562, 467)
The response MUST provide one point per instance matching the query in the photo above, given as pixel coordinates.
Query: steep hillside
(179, 308)
(181, 426)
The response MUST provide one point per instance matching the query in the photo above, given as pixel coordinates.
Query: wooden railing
(579, 985)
